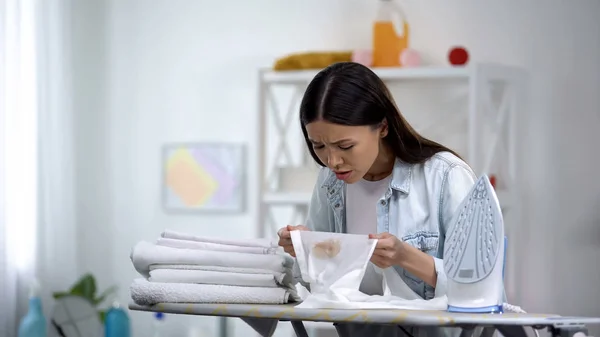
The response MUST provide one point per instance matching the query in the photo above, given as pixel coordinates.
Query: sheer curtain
(18, 156)
(37, 202)
(57, 258)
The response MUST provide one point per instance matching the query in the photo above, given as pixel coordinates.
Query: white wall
(93, 183)
(148, 73)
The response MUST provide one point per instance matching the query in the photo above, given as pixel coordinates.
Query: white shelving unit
(481, 114)
(494, 97)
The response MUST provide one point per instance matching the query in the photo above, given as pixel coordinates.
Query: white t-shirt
(361, 218)
(361, 205)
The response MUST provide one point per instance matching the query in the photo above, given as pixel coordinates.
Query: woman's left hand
(388, 251)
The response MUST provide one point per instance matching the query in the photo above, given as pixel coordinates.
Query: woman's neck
(383, 165)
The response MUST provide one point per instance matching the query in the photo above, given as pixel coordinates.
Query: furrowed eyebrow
(334, 143)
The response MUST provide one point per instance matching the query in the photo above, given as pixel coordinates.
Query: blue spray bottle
(34, 322)
(116, 323)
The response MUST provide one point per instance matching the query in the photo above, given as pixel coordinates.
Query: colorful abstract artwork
(204, 177)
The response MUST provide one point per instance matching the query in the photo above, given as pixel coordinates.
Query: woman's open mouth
(343, 175)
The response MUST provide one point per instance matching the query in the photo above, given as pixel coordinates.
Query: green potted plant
(86, 287)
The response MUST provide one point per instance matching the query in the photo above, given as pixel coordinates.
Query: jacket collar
(401, 178)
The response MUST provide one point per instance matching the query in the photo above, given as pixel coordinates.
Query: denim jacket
(416, 208)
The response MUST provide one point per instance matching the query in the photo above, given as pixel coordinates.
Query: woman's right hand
(285, 239)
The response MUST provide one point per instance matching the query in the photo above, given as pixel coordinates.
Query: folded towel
(144, 292)
(218, 277)
(264, 243)
(218, 268)
(284, 278)
(145, 254)
(177, 243)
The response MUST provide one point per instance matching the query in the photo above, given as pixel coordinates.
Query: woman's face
(349, 151)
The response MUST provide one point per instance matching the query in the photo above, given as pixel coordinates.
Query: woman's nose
(334, 160)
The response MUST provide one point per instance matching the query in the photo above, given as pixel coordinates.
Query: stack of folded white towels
(183, 268)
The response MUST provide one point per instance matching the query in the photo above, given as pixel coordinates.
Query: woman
(381, 178)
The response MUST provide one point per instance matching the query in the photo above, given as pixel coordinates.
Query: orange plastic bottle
(390, 34)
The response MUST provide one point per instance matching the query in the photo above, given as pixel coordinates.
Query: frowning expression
(349, 151)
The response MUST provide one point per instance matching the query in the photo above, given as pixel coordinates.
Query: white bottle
(159, 323)
(194, 332)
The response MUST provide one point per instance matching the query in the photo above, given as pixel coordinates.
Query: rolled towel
(264, 243)
(217, 277)
(145, 254)
(144, 292)
(177, 243)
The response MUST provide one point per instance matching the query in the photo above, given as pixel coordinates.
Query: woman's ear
(384, 128)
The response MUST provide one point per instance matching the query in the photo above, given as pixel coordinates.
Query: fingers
(380, 236)
(284, 234)
(376, 236)
(290, 250)
(296, 228)
(380, 262)
(285, 240)
(386, 243)
(384, 240)
(287, 246)
(284, 237)
(383, 253)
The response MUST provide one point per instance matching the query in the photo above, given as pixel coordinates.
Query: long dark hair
(351, 94)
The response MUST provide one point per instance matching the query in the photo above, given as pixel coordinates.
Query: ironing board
(509, 324)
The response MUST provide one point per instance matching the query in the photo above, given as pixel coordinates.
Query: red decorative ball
(458, 56)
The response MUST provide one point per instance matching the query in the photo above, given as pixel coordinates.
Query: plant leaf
(60, 294)
(85, 287)
(102, 314)
(104, 294)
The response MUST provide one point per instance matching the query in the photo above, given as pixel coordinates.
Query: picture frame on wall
(203, 177)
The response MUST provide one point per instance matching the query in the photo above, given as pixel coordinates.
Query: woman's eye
(318, 147)
(346, 147)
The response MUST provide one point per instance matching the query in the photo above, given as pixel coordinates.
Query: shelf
(386, 74)
(492, 71)
(496, 94)
(287, 198)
